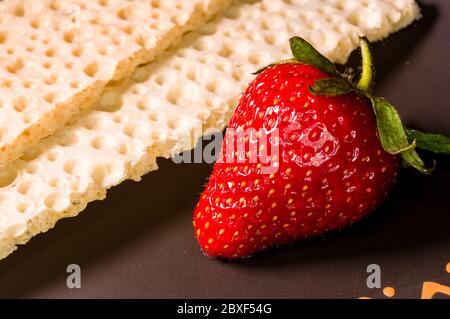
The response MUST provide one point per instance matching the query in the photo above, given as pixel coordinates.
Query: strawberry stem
(365, 82)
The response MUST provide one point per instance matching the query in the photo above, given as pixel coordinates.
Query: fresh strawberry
(334, 164)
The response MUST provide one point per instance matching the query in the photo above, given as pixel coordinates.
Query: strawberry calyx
(395, 138)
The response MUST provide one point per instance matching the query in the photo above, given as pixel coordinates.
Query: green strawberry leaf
(413, 159)
(393, 136)
(305, 53)
(331, 86)
(435, 143)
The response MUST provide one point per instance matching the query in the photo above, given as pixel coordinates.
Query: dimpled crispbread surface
(56, 56)
(163, 107)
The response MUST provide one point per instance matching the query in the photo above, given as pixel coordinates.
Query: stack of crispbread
(67, 71)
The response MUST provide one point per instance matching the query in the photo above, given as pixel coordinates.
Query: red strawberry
(332, 169)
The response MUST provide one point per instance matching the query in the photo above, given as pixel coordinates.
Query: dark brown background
(139, 242)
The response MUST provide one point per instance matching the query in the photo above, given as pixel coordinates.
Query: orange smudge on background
(389, 292)
(429, 289)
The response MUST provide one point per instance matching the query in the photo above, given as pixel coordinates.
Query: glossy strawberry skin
(332, 169)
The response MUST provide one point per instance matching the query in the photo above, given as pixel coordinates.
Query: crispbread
(56, 56)
(158, 110)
